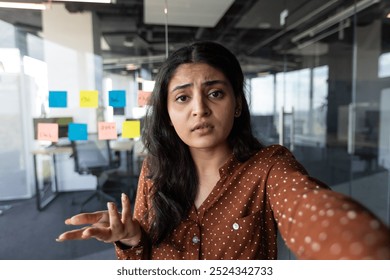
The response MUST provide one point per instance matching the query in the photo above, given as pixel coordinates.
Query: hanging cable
(166, 27)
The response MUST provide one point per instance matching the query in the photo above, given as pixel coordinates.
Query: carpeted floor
(29, 234)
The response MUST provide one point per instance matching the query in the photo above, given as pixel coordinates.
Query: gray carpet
(29, 234)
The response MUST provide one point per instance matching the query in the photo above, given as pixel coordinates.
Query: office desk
(46, 195)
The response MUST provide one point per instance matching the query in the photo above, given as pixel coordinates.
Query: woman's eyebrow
(214, 82)
(181, 87)
(206, 83)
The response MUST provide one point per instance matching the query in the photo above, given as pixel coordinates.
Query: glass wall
(332, 109)
(15, 163)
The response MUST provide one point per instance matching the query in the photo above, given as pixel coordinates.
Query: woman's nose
(200, 107)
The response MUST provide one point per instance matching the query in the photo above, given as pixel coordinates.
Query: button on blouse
(195, 239)
(252, 200)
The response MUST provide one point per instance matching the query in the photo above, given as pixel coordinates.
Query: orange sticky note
(131, 129)
(143, 97)
(107, 130)
(89, 98)
(48, 132)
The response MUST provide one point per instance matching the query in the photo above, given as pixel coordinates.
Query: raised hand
(107, 226)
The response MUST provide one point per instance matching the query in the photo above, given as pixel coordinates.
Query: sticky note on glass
(107, 130)
(143, 97)
(47, 132)
(77, 131)
(131, 129)
(89, 98)
(117, 98)
(58, 99)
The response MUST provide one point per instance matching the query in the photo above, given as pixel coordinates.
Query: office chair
(94, 157)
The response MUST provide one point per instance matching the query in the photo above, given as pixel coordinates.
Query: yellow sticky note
(131, 129)
(107, 130)
(48, 132)
(89, 98)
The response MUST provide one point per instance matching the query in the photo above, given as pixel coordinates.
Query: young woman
(209, 190)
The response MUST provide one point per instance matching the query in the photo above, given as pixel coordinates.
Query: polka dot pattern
(252, 200)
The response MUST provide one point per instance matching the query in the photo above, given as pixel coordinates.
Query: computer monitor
(63, 123)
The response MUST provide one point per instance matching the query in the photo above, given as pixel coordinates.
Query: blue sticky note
(117, 98)
(77, 131)
(58, 99)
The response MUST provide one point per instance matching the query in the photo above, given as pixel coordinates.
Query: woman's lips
(201, 126)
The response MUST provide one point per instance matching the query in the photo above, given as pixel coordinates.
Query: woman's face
(201, 105)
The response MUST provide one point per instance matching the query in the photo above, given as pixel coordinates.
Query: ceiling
(259, 32)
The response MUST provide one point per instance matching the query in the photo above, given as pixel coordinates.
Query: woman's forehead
(188, 71)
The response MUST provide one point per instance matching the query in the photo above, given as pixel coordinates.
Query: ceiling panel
(263, 15)
(186, 12)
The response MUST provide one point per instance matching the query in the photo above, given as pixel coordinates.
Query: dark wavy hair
(169, 161)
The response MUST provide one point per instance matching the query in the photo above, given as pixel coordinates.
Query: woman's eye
(182, 98)
(216, 94)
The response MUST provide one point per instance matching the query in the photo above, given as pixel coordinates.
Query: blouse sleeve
(318, 223)
(141, 251)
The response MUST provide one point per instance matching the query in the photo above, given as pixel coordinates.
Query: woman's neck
(209, 161)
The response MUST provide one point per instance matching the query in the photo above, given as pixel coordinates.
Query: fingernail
(124, 196)
(59, 239)
(110, 205)
(67, 222)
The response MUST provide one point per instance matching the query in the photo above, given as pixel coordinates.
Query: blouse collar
(229, 165)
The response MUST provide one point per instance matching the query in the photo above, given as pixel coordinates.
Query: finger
(126, 209)
(102, 234)
(115, 222)
(85, 218)
(72, 235)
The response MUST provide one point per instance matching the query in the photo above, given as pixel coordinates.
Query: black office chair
(95, 157)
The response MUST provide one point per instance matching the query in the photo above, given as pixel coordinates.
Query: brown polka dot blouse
(252, 200)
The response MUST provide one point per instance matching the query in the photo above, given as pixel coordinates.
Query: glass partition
(330, 105)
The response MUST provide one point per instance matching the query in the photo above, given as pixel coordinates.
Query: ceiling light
(131, 67)
(45, 4)
(104, 45)
(128, 44)
(263, 74)
(26, 6)
(88, 1)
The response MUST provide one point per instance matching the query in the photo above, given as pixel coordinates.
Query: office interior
(317, 77)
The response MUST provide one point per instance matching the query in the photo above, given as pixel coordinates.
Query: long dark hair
(169, 161)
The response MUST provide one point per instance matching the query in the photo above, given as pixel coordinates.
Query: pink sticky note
(48, 132)
(143, 97)
(107, 130)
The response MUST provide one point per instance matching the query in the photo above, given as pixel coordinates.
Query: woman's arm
(317, 223)
(141, 249)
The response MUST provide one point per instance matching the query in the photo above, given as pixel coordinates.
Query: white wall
(70, 60)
